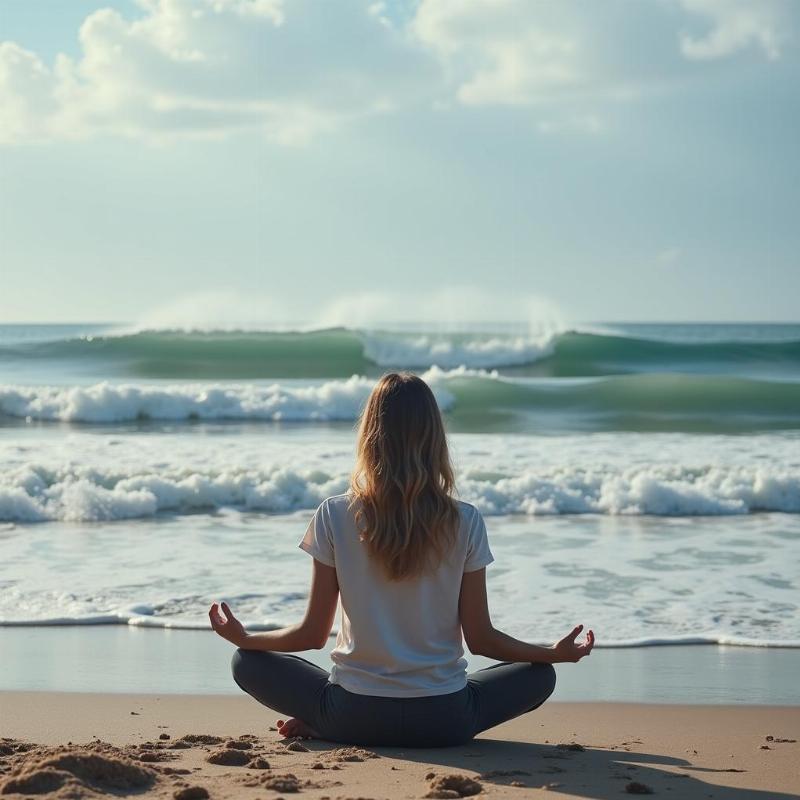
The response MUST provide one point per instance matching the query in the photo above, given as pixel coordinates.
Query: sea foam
(475, 353)
(108, 403)
(34, 493)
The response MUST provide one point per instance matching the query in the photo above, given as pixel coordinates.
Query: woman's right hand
(226, 625)
(568, 650)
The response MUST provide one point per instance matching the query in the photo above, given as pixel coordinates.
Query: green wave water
(341, 352)
(214, 355)
(589, 354)
(647, 378)
(655, 402)
(473, 401)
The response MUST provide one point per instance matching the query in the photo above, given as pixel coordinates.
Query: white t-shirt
(396, 638)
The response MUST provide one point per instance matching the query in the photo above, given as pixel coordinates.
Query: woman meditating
(408, 562)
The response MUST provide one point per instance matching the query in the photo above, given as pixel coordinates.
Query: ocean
(641, 479)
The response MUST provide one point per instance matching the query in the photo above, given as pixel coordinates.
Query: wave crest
(36, 494)
(473, 352)
(107, 403)
(339, 352)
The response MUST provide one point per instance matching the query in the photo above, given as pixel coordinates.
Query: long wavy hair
(403, 482)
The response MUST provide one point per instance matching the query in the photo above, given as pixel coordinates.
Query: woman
(409, 564)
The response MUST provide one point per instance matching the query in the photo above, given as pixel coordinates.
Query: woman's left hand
(568, 650)
(226, 625)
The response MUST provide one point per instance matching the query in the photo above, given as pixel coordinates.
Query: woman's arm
(483, 639)
(310, 634)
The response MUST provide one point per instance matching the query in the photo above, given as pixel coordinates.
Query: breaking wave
(340, 352)
(33, 493)
(474, 400)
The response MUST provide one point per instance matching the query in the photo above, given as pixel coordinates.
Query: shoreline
(145, 623)
(586, 750)
(149, 660)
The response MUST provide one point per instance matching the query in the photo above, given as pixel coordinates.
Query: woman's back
(397, 638)
(405, 561)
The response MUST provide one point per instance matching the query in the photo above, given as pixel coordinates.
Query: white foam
(135, 620)
(656, 490)
(34, 494)
(108, 403)
(476, 353)
(74, 493)
(708, 639)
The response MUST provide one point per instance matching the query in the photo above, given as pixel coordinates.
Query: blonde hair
(403, 481)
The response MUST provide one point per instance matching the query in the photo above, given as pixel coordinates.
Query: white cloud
(206, 67)
(507, 52)
(532, 52)
(295, 68)
(737, 25)
(26, 92)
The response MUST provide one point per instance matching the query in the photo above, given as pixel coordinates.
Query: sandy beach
(85, 745)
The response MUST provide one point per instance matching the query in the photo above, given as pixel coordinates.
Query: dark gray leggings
(297, 688)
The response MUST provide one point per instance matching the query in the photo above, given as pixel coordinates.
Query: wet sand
(156, 661)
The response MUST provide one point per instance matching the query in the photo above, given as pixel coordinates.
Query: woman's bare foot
(295, 727)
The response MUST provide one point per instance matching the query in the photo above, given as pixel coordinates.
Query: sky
(210, 161)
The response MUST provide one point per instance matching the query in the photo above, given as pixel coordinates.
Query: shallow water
(636, 580)
(167, 661)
